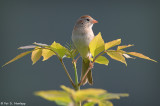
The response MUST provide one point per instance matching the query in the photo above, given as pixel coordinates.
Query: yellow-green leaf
(59, 49)
(90, 91)
(86, 94)
(89, 104)
(105, 103)
(73, 53)
(46, 53)
(116, 56)
(123, 52)
(91, 96)
(60, 97)
(102, 60)
(96, 46)
(112, 44)
(17, 57)
(36, 55)
(109, 96)
(140, 56)
(124, 46)
(67, 89)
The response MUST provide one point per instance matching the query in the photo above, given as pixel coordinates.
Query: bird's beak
(94, 21)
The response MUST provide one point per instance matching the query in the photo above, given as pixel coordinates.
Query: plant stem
(76, 80)
(67, 72)
(76, 77)
(75, 86)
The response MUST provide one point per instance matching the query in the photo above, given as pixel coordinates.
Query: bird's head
(86, 21)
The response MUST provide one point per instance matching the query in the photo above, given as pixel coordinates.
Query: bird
(82, 35)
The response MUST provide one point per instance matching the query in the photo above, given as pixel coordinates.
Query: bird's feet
(91, 64)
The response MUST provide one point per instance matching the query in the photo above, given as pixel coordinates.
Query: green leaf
(36, 55)
(109, 96)
(61, 103)
(102, 60)
(67, 89)
(46, 53)
(116, 55)
(140, 56)
(105, 103)
(89, 104)
(86, 94)
(112, 43)
(96, 46)
(74, 53)
(90, 91)
(59, 49)
(124, 46)
(121, 51)
(89, 97)
(60, 97)
(17, 57)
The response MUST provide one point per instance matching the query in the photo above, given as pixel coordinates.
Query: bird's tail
(85, 66)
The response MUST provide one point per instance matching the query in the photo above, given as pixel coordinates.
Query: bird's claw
(91, 65)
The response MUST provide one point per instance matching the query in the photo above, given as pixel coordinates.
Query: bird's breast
(81, 42)
(83, 36)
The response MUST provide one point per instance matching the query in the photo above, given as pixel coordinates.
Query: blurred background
(23, 22)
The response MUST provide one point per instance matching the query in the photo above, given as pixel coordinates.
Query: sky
(46, 21)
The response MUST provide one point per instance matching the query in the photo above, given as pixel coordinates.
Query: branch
(67, 73)
(63, 66)
(90, 67)
(100, 54)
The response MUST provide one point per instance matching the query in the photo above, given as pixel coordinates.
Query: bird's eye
(87, 19)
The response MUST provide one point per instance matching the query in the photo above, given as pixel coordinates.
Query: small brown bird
(82, 35)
